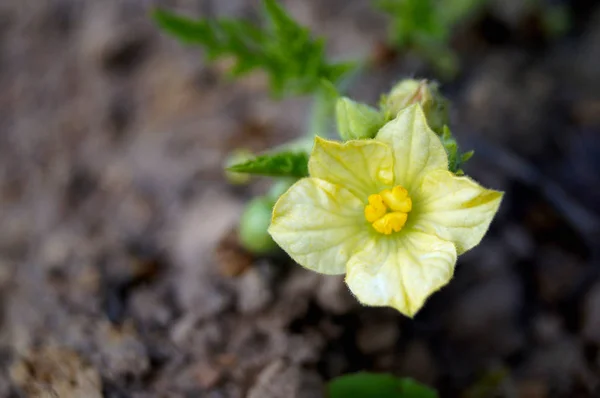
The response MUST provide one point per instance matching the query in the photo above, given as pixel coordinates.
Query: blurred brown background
(117, 250)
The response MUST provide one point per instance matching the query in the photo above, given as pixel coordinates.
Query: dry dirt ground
(119, 271)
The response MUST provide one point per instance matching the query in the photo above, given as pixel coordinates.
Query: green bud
(254, 224)
(357, 121)
(411, 91)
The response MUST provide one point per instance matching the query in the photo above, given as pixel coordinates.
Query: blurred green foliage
(555, 16)
(426, 26)
(556, 20)
(294, 62)
(371, 385)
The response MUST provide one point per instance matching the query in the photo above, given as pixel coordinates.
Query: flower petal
(417, 149)
(319, 224)
(455, 208)
(401, 272)
(363, 167)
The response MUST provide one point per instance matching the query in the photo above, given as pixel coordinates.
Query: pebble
(233, 260)
(518, 240)
(149, 307)
(375, 337)
(557, 273)
(486, 313)
(334, 296)
(254, 292)
(206, 374)
(276, 380)
(52, 371)
(418, 362)
(122, 353)
(282, 380)
(560, 366)
(547, 328)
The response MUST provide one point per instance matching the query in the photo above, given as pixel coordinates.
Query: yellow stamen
(375, 209)
(391, 222)
(396, 200)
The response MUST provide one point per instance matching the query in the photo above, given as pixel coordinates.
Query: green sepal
(281, 164)
(356, 120)
(371, 385)
(466, 156)
(455, 159)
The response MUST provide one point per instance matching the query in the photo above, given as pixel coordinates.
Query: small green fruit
(254, 224)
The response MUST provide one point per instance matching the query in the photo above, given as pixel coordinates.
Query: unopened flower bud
(357, 121)
(411, 91)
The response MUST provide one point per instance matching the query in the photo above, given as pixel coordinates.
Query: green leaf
(282, 164)
(294, 61)
(373, 385)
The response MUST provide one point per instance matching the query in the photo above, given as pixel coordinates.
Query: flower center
(388, 210)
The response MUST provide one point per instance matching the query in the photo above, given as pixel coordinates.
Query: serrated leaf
(455, 159)
(294, 61)
(371, 385)
(282, 164)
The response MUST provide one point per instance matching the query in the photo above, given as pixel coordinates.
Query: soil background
(120, 275)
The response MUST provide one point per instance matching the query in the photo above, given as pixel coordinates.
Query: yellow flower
(387, 212)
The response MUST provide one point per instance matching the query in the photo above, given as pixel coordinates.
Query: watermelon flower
(386, 212)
